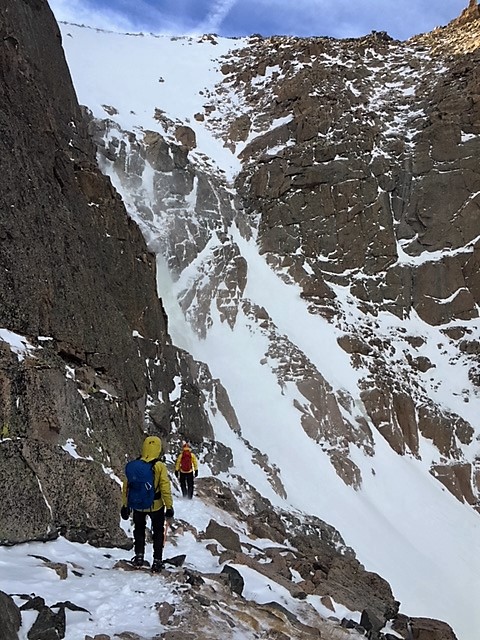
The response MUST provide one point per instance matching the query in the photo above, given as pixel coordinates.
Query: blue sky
(337, 18)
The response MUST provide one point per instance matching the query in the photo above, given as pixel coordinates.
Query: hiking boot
(157, 566)
(137, 560)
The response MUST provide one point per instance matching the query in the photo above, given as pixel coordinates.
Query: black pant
(158, 531)
(186, 484)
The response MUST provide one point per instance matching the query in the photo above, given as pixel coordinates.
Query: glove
(169, 513)
(125, 513)
(196, 473)
(177, 473)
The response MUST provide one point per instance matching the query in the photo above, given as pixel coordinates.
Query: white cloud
(79, 12)
(216, 15)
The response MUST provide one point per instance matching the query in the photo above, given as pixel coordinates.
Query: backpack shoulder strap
(158, 493)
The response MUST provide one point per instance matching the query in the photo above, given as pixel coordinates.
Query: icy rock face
(375, 169)
(366, 179)
(369, 182)
(167, 193)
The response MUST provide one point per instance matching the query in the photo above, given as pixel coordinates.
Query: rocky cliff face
(85, 355)
(375, 188)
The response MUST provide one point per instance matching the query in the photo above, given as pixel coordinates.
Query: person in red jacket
(186, 468)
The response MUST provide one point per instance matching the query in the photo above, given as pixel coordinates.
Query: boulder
(224, 535)
(10, 617)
